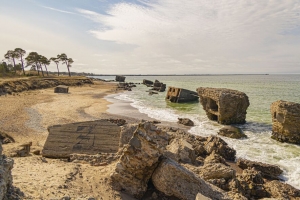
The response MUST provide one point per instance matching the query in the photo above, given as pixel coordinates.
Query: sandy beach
(25, 117)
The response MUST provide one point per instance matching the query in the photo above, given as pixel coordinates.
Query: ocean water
(262, 90)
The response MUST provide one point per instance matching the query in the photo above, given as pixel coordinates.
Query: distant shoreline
(177, 74)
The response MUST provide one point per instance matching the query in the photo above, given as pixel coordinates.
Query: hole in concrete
(213, 105)
(214, 117)
(274, 115)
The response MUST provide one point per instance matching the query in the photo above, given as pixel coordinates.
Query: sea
(262, 90)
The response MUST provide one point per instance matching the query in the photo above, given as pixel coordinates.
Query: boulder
(232, 132)
(224, 105)
(175, 180)
(268, 171)
(120, 78)
(215, 158)
(61, 89)
(181, 151)
(139, 158)
(220, 147)
(147, 82)
(185, 121)
(286, 121)
(281, 190)
(6, 165)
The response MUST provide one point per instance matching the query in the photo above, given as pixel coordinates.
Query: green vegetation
(9, 66)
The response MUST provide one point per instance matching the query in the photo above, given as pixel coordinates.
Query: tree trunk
(22, 65)
(14, 65)
(57, 69)
(42, 70)
(69, 70)
(46, 70)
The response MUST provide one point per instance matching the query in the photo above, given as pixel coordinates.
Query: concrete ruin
(159, 86)
(120, 78)
(91, 137)
(179, 95)
(6, 165)
(147, 82)
(286, 121)
(225, 106)
(61, 89)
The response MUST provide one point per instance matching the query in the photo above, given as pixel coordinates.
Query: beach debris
(126, 133)
(120, 78)
(159, 86)
(185, 121)
(286, 121)
(216, 171)
(179, 95)
(125, 86)
(152, 92)
(6, 165)
(119, 122)
(139, 158)
(148, 83)
(174, 180)
(89, 137)
(220, 147)
(225, 106)
(232, 132)
(5, 138)
(22, 150)
(181, 151)
(100, 159)
(267, 170)
(61, 89)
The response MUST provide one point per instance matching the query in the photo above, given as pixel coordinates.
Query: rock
(6, 165)
(119, 122)
(120, 78)
(5, 138)
(90, 137)
(61, 89)
(268, 171)
(139, 158)
(159, 86)
(232, 132)
(215, 158)
(36, 152)
(216, 171)
(286, 121)
(181, 151)
(220, 147)
(281, 190)
(202, 197)
(147, 82)
(224, 105)
(152, 92)
(126, 134)
(185, 121)
(175, 180)
(179, 95)
(22, 150)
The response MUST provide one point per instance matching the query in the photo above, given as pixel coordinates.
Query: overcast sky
(158, 36)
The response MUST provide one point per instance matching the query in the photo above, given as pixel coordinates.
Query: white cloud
(58, 10)
(225, 34)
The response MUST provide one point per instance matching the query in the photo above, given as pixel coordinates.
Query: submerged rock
(232, 132)
(185, 121)
(286, 121)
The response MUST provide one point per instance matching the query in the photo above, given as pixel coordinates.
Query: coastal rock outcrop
(139, 158)
(179, 95)
(268, 171)
(175, 180)
(224, 105)
(232, 132)
(281, 190)
(286, 121)
(6, 165)
(9, 87)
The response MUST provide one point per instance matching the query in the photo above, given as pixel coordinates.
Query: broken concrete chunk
(61, 89)
(286, 121)
(175, 180)
(179, 95)
(181, 151)
(120, 78)
(185, 121)
(224, 105)
(232, 132)
(219, 146)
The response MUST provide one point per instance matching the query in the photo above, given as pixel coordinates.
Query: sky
(157, 36)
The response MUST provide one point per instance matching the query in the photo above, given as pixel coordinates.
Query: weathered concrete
(90, 137)
(159, 86)
(61, 89)
(139, 159)
(120, 78)
(224, 105)
(147, 82)
(232, 132)
(286, 121)
(179, 95)
(6, 165)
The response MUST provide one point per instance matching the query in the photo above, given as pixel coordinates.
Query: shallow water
(262, 90)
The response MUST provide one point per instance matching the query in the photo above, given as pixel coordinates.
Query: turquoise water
(262, 90)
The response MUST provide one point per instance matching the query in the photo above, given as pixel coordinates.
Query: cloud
(248, 34)
(58, 10)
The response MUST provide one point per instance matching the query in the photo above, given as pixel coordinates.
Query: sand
(26, 116)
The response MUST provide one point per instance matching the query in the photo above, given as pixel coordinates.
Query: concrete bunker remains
(179, 95)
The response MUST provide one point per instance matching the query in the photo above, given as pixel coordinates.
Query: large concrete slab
(92, 137)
